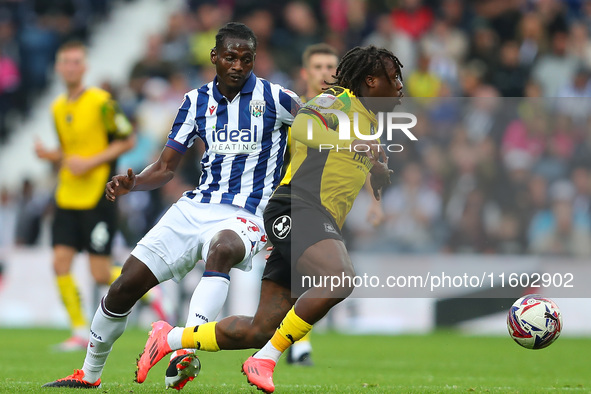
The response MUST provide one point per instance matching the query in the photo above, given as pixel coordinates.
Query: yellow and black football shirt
(85, 127)
(319, 172)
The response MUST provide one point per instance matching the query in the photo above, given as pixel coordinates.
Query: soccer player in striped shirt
(243, 121)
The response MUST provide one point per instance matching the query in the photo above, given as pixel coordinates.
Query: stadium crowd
(500, 88)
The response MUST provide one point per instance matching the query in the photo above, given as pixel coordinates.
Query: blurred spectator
(151, 65)
(209, 18)
(556, 69)
(469, 235)
(299, 31)
(471, 78)
(579, 44)
(9, 84)
(580, 177)
(510, 76)
(574, 99)
(480, 113)
(411, 210)
(413, 18)
(553, 15)
(483, 53)
(399, 42)
(508, 239)
(532, 39)
(175, 42)
(527, 135)
(8, 213)
(456, 14)
(32, 205)
(422, 82)
(560, 231)
(446, 47)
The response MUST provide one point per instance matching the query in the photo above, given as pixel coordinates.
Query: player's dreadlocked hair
(360, 62)
(235, 30)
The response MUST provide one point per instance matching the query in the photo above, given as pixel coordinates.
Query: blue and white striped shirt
(245, 140)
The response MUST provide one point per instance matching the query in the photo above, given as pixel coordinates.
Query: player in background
(303, 221)
(243, 121)
(319, 63)
(92, 134)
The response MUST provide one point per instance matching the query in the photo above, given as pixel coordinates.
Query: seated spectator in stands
(422, 82)
(527, 134)
(413, 17)
(560, 231)
(484, 49)
(151, 65)
(557, 68)
(8, 207)
(510, 75)
(508, 237)
(574, 99)
(446, 47)
(175, 41)
(579, 43)
(469, 236)
(9, 83)
(581, 179)
(385, 35)
(412, 210)
(532, 39)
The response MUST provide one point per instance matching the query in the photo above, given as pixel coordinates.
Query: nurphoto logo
(391, 125)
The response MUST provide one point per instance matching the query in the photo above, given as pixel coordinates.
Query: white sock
(105, 329)
(208, 298)
(174, 339)
(206, 303)
(268, 352)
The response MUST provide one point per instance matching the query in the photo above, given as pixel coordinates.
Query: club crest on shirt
(325, 100)
(257, 108)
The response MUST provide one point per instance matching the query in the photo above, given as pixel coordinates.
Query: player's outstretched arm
(152, 177)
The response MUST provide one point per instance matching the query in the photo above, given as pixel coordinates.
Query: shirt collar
(247, 88)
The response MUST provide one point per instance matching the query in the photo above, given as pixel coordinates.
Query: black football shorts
(292, 226)
(86, 229)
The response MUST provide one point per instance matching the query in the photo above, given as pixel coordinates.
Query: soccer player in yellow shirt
(92, 134)
(319, 63)
(303, 221)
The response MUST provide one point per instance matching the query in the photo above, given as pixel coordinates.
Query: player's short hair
(316, 49)
(360, 62)
(71, 44)
(235, 30)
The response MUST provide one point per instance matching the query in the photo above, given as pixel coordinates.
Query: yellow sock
(71, 300)
(305, 338)
(291, 329)
(201, 337)
(115, 272)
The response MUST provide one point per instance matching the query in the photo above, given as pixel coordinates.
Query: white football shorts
(182, 237)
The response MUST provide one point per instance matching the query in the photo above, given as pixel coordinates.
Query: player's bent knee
(222, 256)
(126, 290)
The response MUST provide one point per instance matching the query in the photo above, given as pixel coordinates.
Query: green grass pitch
(440, 362)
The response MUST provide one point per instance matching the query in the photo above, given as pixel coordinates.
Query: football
(534, 322)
